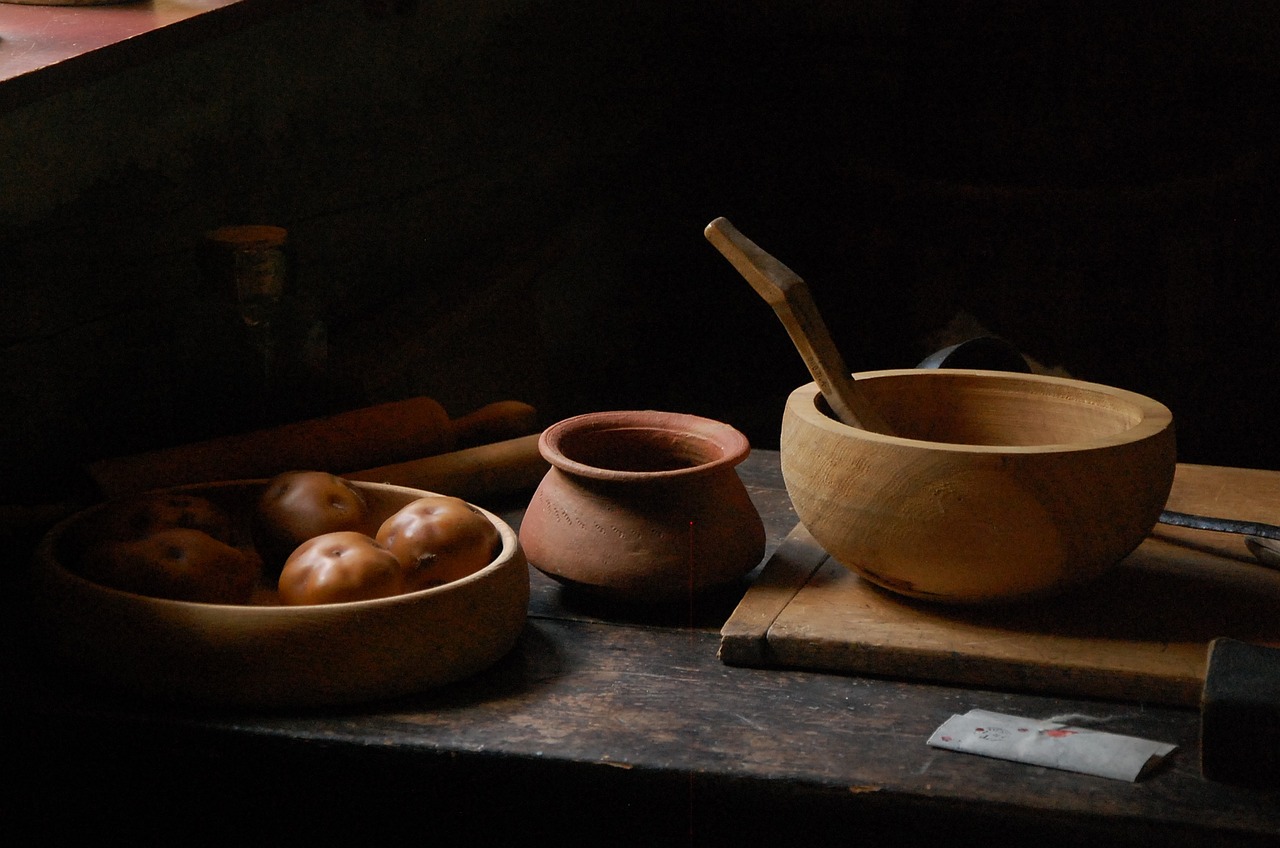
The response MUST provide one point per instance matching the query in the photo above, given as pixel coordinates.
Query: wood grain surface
(1139, 633)
(605, 725)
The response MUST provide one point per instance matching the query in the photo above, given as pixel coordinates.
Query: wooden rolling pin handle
(473, 474)
(504, 419)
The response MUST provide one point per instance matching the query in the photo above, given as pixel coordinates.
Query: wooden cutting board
(1139, 633)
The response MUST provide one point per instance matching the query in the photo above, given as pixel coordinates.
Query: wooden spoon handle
(789, 296)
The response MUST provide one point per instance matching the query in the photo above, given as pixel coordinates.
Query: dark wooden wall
(505, 199)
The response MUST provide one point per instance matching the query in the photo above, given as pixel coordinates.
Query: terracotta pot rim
(733, 446)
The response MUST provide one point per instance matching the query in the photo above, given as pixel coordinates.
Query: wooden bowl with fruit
(303, 590)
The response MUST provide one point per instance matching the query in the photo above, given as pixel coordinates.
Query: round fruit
(438, 539)
(300, 505)
(338, 567)
(141, 515)
(177, 563)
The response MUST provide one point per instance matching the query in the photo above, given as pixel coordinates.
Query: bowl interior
(638, 449)
(64, 547)
(995, 409)
(631, 444)
(265, 655)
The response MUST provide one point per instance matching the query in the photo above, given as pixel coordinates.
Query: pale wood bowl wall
(278, 656)
(994, 487)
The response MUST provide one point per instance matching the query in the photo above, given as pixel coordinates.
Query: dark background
(492, 200)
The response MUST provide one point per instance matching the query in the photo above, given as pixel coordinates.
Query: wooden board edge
(1018, 675)
(744, 637)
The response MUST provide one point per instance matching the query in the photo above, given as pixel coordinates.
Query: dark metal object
(1261, 539)
(1220, 525)
(986, 353)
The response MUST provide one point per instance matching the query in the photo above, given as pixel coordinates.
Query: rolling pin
(478, 474)
(473, 474)
(363, 438)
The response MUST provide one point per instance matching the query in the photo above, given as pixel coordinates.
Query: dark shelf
(48, 49)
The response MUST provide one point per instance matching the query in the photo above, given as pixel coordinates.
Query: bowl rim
(46, 559)
(1154, 418)
(733, 442)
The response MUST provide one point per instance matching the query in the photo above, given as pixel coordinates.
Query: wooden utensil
(484, 474)
(474, 474)
(789, 296)
(397, 431)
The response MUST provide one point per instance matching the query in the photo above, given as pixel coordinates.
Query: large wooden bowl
(995, 486)
(278, 656)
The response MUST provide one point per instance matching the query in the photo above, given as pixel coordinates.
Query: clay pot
(642, 506)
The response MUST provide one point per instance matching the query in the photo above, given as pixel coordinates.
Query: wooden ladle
(789, 296)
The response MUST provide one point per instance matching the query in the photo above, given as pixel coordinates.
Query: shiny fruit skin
(299, 505)
(438, 539)
(339, 567)
(138, 516)
(177, 563)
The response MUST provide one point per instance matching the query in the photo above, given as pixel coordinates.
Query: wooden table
(607, 726)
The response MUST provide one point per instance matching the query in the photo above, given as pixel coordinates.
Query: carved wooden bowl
(262, 655)
(996, 486)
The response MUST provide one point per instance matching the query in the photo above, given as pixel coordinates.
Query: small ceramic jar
(643, 506)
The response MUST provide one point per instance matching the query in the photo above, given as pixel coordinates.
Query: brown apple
(299, 505)
(438, 539)
(177, 563)
(339, 567)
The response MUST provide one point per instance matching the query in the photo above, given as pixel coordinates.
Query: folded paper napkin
(1051, 744)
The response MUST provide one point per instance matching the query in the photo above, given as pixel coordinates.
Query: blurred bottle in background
(282, 348)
